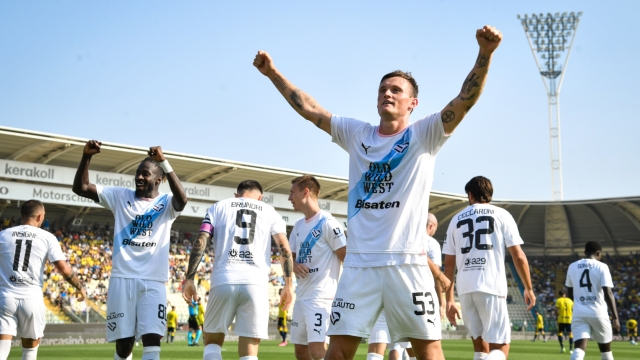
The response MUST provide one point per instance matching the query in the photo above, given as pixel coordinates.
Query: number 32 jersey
(587, 277)
(478, 237)
(242, 230)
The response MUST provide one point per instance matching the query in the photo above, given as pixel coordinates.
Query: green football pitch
(269, 350)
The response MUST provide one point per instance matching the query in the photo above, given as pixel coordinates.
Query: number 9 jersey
(242, 230)
(478, 237)
(587, 277)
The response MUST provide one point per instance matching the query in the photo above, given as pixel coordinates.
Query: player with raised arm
(242, 229)
(136, 305)
(318, 245)
(589, 284)
(475, 242)
(564, 313)
(24, 249)
(390, 177)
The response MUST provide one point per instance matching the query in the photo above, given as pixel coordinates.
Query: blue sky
(179, 74)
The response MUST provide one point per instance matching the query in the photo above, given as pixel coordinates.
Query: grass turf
(269, 350)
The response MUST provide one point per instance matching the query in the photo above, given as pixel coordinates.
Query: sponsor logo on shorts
(114, 315)
(338, 302)
(111, 326)
(317, 330)
(432, 322)
(335, 317)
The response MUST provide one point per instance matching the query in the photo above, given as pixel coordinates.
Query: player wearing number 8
(475, 243)
(242, 229)
(589, 284)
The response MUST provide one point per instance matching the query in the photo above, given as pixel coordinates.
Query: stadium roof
(547, 227)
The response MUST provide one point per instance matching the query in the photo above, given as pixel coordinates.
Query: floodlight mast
(548, 36)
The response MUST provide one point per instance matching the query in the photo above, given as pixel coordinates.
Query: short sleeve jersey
(478, 236)
(565, 310)
(314, 242)
(390, 179)
(632, 324)
(433, 251)
(242, 230)
(24, 250)
(141, 233)
(587, 277)
(172, 319)
(539, 321)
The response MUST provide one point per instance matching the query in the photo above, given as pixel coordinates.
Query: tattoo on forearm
(319, 122)
(482, 61)
(469, 83)
(470, 97)
(448, 116)
(197, 252)
(280, 83)
(287, 267)
(468, 108)
(451, 103)
(296, 99)
(74, 281)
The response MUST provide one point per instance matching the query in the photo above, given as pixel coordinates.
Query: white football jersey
(478, 236)
(390, 179)
(23, 252)
(242, 229)
(141, 233)
(587, 277)
(314, 242)
(433, 251)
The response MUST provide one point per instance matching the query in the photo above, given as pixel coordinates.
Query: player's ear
(236, 195)
(260, 197)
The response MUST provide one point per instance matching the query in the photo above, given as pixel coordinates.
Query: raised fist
(155, 152)
(488, 38)
(263, 63)
(92, 147)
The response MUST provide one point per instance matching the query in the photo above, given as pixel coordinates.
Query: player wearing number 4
(242, 229)
(475, 243)
(23, 252)
(589, 284)
(136, 306)
(318, 245)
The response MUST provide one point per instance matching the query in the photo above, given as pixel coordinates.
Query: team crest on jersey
(158, 207)
(316, 233)
(400, 148)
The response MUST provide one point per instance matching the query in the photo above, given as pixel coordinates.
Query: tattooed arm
(286, 259)
(488, 38)
(300, 101)
(67, 273)
(197, 252)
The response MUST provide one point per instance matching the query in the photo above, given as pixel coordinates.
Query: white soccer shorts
(249, 304)
(23, 318)
(310, 321)
(135, 307)
(380, 331)
(486, 315)
(400, 346)
(597, 329)
(405, 292)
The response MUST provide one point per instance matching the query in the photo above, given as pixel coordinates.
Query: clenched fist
(488, 38)
(92, 147)
(263, 63)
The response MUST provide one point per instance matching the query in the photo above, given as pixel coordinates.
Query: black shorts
(193, 323)
(564, 329)
(171, 330)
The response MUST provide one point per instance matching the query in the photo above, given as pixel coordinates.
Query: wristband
(165, 166)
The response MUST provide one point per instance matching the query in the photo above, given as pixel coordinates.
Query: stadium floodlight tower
(548, 36)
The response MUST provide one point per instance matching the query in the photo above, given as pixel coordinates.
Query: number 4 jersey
(478, 237)
(23, 252)
(587, 277)
(242, 230)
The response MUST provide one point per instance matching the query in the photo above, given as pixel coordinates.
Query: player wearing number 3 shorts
(475, 242)
(589, 284)
(318, 245)
(242, 229)
(136, 306)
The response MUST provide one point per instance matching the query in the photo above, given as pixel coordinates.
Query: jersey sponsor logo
(378, 179)
(131, 242)
(21, 280)
(304, 253)
(142, 225)
(335, 317)
(114, 315)
(337, 231)
(588, 298)
(475, 261)
(362, 204)
(245, 254)
(366, 148)
(112, 326)
(338, 302)
(313, 270)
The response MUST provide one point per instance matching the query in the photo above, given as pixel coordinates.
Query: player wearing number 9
(475, 242)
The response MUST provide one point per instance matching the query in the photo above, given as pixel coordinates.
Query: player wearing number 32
(242, 229)
(475, 243)
(136, 306)
(589, 284)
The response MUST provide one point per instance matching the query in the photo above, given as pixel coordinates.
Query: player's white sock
(30, 354)
(607, 355)
(374, 356)
(212, 352)
(117, 357)
(578, 354)
(249, 358)
(151, 353)
(5, 348)
(413, 358)
(479, 355)
(495, 355)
